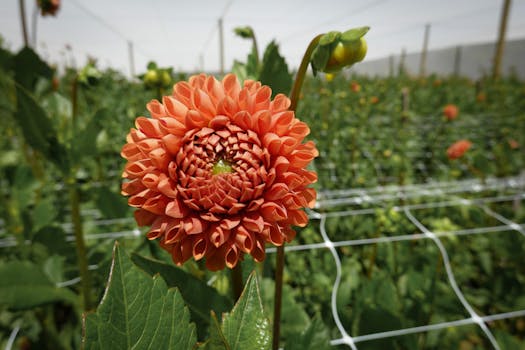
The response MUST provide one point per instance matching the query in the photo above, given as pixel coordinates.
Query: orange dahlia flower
(450, 111)
(219, 171)
(48, 7)
(458, 149)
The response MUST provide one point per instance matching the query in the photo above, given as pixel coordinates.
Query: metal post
(423, 61)
(131, 59)
(496, 69)
(23, 21)
(402, 70)
(457, 61)
(221, 46)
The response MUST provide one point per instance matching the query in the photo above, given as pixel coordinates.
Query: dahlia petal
(255, 204)
(144, 217)
(215, 261)
(172, 126)
(138, 168)
(174, 108)
(193, 226)
(156, 109)
(253, 222)
(263, 120)
(243, 119)
(157, 228)
(227, 106)
(182, 92)
(160, 158)
(276, 192)
(310, 195)
(275, 235)
(231, 85)
(172, 143)
(262, 98)
(131, 152)
(258, 252)
(150, 127)
(208, 216)
(203, 103)
(299, 131)
(218, 122)
(231, 257)
(272, 142)
(292, 180)
(195, 119)
(230, 223)
(174, 232)
(236, 208)
(156, 205)
(176, 209)
(301, 158)
(200, 247)
(214, 89)
(272, 211)
(140, 198)
(151, 180)
(289, 233)
(280, 103)
(244, 240)
(297, 218)
(282, 122)
(166, 186)
(132, 187)
(219, 236)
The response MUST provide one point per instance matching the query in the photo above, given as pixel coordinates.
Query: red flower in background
(48, 7)
(219, 171)
(458, 149)
(450, 111)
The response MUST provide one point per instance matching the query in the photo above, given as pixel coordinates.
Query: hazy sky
(184, 34)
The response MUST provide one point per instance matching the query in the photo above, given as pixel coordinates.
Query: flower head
(450, 111)
(458, 149)
(219, 170)
(48, 7)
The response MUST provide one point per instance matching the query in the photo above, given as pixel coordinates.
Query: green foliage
(138, 312)
(24, 285)
(274, 71)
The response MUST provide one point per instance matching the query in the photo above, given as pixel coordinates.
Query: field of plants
(403, 234)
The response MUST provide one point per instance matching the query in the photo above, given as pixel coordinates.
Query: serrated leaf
(354, 34)
(38, 130)
(274, 71)
(314, 337)
(138, 312)
(199, 297)
(239, 69)
(216, 341)
(246, 327)
(23, 285)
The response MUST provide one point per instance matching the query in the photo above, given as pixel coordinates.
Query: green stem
(301, 73)
(80, 244)
(23, 21)
(278, 297)
(279, 266)
(236, 277)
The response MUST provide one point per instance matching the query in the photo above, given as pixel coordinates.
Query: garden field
(409, 246)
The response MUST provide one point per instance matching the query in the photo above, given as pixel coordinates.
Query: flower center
(222, 167)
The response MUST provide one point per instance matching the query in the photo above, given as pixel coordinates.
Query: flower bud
(336, 50)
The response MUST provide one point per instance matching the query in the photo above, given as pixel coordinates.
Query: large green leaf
(246, 327)
(138, 312)
(199, 297)
(314, 337)
(274, 71)
(38, 130)
(84, 144)
(29, 67)
(24, 285)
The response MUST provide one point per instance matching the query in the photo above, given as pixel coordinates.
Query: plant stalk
(80, 244)
(23, 21)
(236, 278)
(279, 262)
(278, 297)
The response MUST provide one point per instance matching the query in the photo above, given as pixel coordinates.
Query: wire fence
(348, 202)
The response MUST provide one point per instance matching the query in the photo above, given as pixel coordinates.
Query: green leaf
(239, 69)
(29, 67)
(216, 340)
(354, 34)
(138, 312)
(23, 285)
(38, 130)
(111, 204)
(244, 32)
(274, 71)
(246, 327)
(320, 57)
(314, 337)
(329, 38)
(199, 297)
(44, 213)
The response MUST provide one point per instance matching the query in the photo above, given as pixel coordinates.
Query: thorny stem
(279, 262)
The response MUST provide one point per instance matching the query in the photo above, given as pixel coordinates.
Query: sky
(185, 35)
